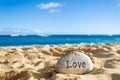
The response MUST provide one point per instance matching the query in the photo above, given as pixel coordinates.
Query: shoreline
(62, 44)
(37, 62)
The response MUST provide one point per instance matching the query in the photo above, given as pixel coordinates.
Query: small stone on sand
(74, 63)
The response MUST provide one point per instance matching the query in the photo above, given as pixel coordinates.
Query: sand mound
(37, 62)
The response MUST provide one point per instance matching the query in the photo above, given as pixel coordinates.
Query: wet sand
(37, 62)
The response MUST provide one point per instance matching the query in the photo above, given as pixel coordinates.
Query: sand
(37, 62)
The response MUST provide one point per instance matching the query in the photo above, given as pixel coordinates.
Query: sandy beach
(37, 62)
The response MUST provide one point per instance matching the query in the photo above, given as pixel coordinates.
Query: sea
(8, 40)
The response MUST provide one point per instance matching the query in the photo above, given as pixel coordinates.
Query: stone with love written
(74, 63)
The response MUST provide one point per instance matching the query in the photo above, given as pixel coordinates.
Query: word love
(75, 64)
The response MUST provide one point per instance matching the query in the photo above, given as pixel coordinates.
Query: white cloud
(49, 5)
(37, 31)
(19, 31)
(52, 7)
(54, 10)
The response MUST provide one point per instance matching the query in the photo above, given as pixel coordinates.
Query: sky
(23, 17)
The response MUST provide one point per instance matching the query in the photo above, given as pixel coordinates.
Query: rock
(74, 63)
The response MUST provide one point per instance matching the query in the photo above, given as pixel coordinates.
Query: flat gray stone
(74, 63)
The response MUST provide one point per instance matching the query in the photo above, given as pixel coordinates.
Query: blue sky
(59, 17)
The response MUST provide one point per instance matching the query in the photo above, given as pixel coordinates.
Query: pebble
(74, 63)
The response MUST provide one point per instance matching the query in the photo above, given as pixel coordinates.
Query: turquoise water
(7, 40)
